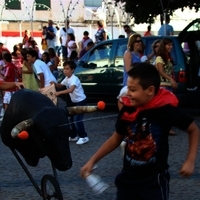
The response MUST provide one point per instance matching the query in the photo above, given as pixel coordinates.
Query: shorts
(7, 96)
(151, 187)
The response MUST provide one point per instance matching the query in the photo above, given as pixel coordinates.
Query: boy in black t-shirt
(145, 121)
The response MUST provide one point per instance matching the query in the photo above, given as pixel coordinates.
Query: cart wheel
(50, 188)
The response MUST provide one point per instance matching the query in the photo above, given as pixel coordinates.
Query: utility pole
(164, 15)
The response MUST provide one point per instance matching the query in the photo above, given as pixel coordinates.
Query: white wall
(56, 12)
(179, 20)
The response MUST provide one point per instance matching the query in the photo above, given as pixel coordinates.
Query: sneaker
(192, 89)
(2, 112)
(73, 139)
(82, 140)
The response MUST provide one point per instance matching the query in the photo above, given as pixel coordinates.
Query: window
(13, 4)
(93, 3)
(42, 4)
(121, 48)
(100, 56)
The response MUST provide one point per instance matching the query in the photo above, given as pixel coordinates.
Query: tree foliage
(145, 11)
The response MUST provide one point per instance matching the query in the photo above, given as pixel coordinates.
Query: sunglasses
(156, 46)
(138, 41)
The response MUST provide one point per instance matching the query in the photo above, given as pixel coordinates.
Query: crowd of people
(38, 68)
(147, 105)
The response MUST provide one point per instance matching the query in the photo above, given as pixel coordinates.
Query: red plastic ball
(23, 135)
(101, 105)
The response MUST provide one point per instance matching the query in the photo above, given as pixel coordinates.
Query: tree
(144, 11)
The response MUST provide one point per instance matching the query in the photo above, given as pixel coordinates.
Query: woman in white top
(71, 44)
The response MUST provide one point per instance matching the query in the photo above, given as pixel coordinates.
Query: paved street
(15, 185)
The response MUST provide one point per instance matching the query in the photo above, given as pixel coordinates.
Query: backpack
(64, 29)
(49, 36)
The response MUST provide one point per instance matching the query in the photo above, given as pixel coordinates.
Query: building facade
(33, 14)
(19, 15)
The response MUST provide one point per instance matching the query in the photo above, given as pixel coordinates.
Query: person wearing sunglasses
(155, 47)
(128, 31)
(132, 54)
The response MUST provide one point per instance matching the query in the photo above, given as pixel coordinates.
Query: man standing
(58, 47)
(128, 30)
(63, 37)
(166, 29)
(148, 32)
(51, 35)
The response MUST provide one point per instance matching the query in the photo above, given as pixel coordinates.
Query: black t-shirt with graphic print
(147, 137)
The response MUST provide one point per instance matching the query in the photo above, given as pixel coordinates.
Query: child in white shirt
(78, 98)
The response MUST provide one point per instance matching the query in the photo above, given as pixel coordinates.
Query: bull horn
(81, 109)
(86, 109)
(20, 127)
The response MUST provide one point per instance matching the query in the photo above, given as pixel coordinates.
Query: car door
(93, 72)
(190, 41)
(116, 69)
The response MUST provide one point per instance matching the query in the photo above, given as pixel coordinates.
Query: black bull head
(35, 113)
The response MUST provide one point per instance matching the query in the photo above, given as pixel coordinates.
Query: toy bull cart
(36, 128)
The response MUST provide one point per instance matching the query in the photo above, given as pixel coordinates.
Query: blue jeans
(58, 50)
(64, 52)
(55, 73)
(79, 125)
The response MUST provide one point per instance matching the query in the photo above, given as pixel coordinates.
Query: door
(94, 74)
(116, 69)
(190, 41)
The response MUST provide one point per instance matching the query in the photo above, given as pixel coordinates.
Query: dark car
(101, 69)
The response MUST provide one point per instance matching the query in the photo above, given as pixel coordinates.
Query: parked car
(101, 68)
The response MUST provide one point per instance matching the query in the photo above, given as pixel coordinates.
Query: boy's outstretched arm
(66, 91)
(112, 143)
(194, 134)
(10, 85)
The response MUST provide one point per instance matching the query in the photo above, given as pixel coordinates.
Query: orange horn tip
(23, 135)
(101, 105)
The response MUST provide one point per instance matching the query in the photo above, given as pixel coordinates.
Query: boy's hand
(40, 89)
(86, 169)
(19, 85)
(187, 169)
(57, 93)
